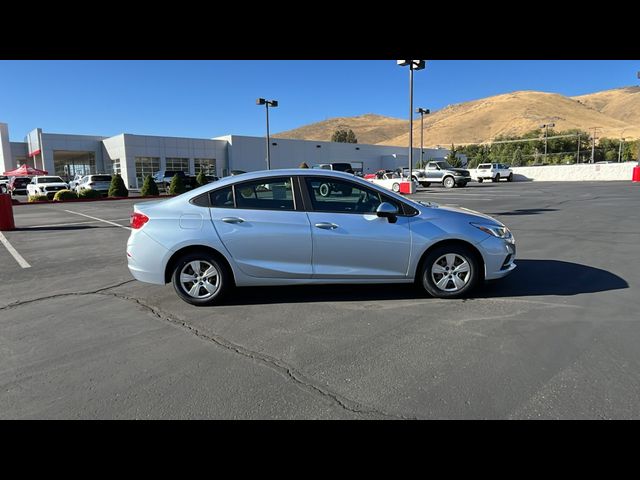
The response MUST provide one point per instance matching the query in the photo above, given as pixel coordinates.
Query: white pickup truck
(493, 172)
(46, 185)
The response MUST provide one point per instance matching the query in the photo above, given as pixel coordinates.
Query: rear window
(484, 165)
(21, 181)
(222, 198)
(50, 180)
(101, 178)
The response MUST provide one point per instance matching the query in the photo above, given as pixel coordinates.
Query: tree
(303, 165)
(339, 136)
(117, 187)
(452, 159)
(201, 179)
(344, 136)
(149, 187)
(517, 158)
(176, 187)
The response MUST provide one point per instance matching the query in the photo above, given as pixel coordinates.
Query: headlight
(495, 230)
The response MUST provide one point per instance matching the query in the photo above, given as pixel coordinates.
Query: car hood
(459, 170)
(472, 215)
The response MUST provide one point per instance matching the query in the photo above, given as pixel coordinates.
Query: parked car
(493, 172)
(18, 185)
(99, 182)
(4, 180)
(74, 182)
(163, 179)
(46, 185)
(340, 167)
(442, 172)
(236, 233)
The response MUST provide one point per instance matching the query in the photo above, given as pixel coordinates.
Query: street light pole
(546, 134)
(422, 112)
(413, 65)
(620, 149)
(266, 103)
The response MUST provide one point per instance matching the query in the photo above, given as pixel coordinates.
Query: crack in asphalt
(64, 294)
(271, 362)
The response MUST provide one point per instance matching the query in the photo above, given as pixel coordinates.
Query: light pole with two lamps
(413, 65)
(422, 112)
(267, 103)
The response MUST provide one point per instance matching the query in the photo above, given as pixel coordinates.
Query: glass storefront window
(146, 166)
(180, 164)
(68, 164)
(207, 165)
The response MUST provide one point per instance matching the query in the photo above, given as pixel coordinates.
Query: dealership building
(135, 156)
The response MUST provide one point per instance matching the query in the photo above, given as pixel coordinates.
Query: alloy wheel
(450, 272)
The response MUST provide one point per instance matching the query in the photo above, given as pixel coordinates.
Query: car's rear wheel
(449, 182)
(395, 187)
(496, 178)
(450, 271)
(425, 184)
(200, 279)
(480, 180)
(325, 189)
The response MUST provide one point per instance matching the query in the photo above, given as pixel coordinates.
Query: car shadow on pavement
(551, 277)
(530, 278)
(526, 211)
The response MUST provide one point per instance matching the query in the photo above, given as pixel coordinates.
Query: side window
(266, 194)
(221, 198)
(331, 195)
(432, 166)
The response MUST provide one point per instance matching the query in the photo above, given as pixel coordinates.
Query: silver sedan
(279, 227)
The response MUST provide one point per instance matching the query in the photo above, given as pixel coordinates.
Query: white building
(135, 156)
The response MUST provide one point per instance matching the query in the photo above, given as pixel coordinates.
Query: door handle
(327, 226)
(232, 220)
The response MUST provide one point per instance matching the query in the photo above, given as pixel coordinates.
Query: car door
(266, 233)
(433, 172)
(349, 239)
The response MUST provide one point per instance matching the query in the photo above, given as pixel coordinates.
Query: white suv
(493, 172)
(46, 185)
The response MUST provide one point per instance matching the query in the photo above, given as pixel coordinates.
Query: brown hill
(482, 120)
(620, 103)
(369, 128)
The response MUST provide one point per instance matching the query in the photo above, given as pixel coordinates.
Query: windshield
(101, 178)
(21, 181)
(444, 165)
(50, 180)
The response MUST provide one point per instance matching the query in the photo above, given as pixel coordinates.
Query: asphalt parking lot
(79, 338)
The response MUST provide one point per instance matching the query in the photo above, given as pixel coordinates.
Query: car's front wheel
(449, 182)
(480, 180)
(510, 177)
(200, 279)
(450, 271)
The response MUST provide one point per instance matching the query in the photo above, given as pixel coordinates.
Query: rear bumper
(146, 258)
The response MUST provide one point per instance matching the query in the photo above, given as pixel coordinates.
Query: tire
(448, 182)
(325, 190)
(425, 184)
(201, 295)
(443, 284)
(510, 177)
(462, 184)
(496, 179)
(480, 180)
(395, 187)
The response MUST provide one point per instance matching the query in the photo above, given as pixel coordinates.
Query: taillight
(138, 220)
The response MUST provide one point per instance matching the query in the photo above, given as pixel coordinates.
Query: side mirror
(388, 211)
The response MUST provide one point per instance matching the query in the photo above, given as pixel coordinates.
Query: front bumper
(499, 256)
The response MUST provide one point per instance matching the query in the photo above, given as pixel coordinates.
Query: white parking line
(98, 219)
(21, 261)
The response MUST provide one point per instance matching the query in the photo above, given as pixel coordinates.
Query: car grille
(53, 189)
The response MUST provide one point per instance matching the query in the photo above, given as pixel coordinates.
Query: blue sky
(212, 98)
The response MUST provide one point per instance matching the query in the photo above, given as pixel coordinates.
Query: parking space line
(14, 253)
(99, 219)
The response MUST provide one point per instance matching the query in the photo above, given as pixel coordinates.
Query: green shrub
(62, 195)
(37, 198)
(201, 179)
(149, 187)
(89, 193)
(117, 187)
(176, 187)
